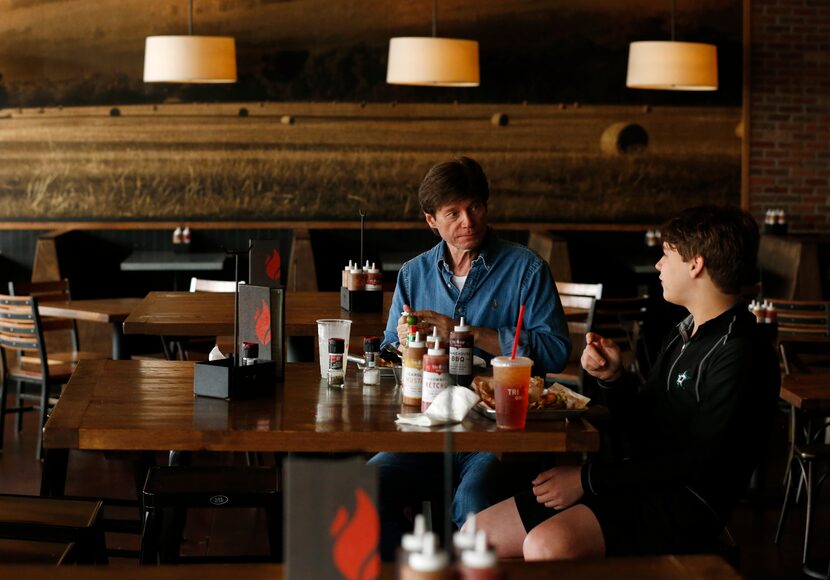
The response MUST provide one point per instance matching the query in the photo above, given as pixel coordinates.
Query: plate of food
(553, 402)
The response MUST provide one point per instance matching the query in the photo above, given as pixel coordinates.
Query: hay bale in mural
(115, 112)
(499, 120)
(243, 112)
(287, 119)
(623, 138)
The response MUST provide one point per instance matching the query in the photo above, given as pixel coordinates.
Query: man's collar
(487, 253)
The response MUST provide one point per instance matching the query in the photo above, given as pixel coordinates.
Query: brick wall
(789, 155)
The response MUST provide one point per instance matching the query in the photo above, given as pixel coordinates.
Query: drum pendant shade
(190, 59)
(431, 61)
(671, 65)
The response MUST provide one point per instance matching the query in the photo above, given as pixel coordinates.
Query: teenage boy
(697, 427)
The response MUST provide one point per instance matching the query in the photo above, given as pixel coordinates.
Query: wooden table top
(643, 568)
(807, 392)
(211, 314)
(149, 405)
(108, 310)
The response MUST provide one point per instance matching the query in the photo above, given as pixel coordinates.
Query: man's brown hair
(726, 237)
(451, 181)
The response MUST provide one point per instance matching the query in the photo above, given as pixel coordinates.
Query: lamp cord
(190, 17)
(434, 20)
(673, 7)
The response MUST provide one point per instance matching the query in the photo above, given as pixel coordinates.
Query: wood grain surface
(149, 405)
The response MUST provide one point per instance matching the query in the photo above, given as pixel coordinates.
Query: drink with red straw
(512, 379)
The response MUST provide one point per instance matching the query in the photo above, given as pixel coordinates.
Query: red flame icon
(272, 266)
(262, 323)
(356, 540)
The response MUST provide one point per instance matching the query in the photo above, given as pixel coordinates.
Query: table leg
(119, 346)
(53, 475)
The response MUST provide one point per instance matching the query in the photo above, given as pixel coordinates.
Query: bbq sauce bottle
(461, 355)
(413, 375)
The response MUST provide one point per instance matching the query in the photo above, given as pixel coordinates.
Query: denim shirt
(502, 278)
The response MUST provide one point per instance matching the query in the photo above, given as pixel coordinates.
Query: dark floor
(211, 532)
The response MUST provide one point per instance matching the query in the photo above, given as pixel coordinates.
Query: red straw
(518, 331)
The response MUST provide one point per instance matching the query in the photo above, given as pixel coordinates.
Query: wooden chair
(624, 320)
(580, 300)
(21, 336)
(19, 552)
(803, 334)
(61, 334)
(44, 519)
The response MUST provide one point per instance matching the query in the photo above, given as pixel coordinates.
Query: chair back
(804, 317)
(203, 285)
(577, 289)
(20, 331)
(59, 331)
(803, 334)
(623, 320)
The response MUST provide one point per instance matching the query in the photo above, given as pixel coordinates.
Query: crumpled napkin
(450, 406)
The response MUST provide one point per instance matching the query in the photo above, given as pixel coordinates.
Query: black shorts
(673, 521)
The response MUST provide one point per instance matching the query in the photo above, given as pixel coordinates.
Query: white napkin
(215, 354)
(450, 406)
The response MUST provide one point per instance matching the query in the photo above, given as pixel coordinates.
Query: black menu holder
(332, 526)
(223, 378)
(265, 263)
(262, 320)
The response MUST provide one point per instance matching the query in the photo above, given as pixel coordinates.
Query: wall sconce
(671, 65)
(190, 59)
(433, 61)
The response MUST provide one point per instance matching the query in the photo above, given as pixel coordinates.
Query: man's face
(675, 275)
(462, 224)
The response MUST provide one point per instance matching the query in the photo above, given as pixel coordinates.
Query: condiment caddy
(361, 288)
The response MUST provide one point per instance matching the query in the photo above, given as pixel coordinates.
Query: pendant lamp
(190, 59)
(433, 61)
(671, 65)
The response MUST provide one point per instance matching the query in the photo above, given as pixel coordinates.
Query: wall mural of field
(311, 131)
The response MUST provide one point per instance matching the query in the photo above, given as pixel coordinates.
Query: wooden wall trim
(311, 225)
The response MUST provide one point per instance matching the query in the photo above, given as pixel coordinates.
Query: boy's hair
(726, 237)
(451, 181)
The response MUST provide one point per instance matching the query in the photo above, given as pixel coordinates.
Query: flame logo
(262, 323)
(356, 540)
(272, 266)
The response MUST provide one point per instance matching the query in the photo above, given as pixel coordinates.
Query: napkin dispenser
(361, 300)
(222, 380)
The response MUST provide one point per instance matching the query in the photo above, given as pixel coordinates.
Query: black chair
(171, 489)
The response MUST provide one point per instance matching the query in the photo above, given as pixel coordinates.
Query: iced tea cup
(512, 378)
(331, 328)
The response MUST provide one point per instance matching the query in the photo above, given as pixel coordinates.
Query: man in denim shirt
(470, 273)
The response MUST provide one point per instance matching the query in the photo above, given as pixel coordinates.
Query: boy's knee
(546, 546)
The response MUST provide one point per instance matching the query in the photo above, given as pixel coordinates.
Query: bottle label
(369, 357)
(335, 362)
(434, 383)
(461, 361)
(412, 382)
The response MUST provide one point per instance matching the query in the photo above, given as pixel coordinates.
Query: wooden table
(643, 568)
(809, 393)
(112, 311)
(149, 405)
(211, 314)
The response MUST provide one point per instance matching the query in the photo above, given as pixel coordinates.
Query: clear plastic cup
(512, 378)
(331, 328)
